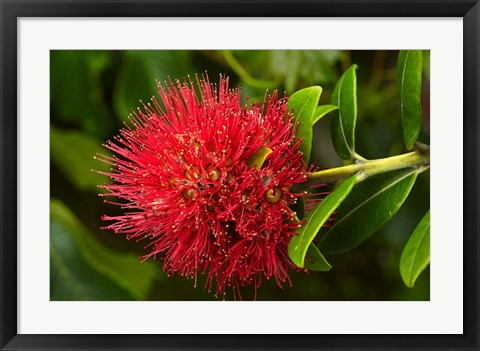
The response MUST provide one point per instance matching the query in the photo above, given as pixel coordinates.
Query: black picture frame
(12, 10)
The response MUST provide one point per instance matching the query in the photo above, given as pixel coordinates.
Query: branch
(420, 158)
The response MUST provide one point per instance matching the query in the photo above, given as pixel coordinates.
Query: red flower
(183, 170)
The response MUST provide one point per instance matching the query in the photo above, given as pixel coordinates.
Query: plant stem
(246, 77)
(366, 168)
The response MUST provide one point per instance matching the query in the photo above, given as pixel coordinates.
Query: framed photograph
(184, 175)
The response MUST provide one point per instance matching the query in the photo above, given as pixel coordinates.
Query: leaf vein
(371, 198)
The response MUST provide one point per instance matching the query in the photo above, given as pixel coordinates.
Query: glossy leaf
(123, 269)
(323, 110)
(344, 119)
(315, 261)
(409, 81)
(303, 103)
(258, 158)
(369, 206)
(73, 153)
(416, 254)
(315, 219)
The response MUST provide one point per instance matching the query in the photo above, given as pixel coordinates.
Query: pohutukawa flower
(194, 181)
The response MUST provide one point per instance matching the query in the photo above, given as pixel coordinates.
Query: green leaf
(315, 261)
(258, 158)
(416, 254)
(72, 278)
(123, 269)
(343, 120)
(369, 206)
(315, 219)
(303, 103)
(426, 63)
(409, 81)
(307, 67)
(291, 68)
(76, 96)
(73, 153)
(139, 72)
(322, 110)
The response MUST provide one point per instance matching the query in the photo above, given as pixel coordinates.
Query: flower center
(273, 194)
(214, 174)
(189, 193)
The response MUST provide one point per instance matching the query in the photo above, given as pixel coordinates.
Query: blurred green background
(91, 94)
